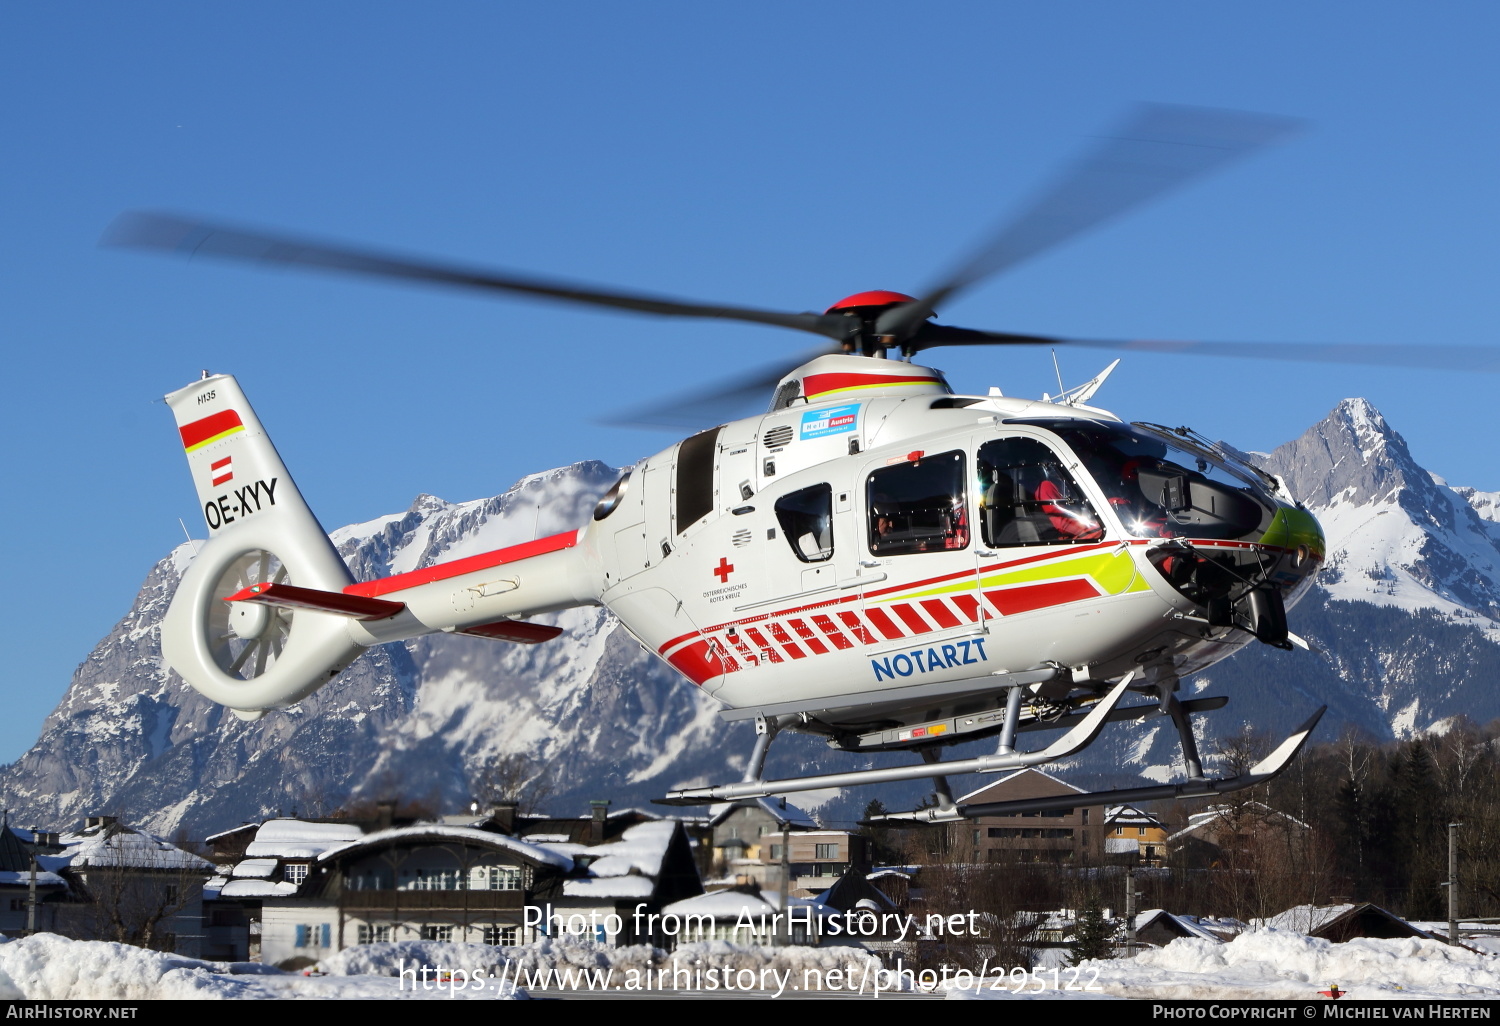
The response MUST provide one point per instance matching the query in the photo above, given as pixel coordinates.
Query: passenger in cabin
(1074, 524)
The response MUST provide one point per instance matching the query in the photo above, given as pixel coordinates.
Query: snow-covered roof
(1303, 918)
(614, 888)
(1121, 845)
(1257, 810)
(1311, 918)
(12, 878)
(639, 850)
(122, 848)
(211, 838)
(1189, 924)
(1128, 815)
(299, 839)
(791, 814)
(256, 889)
(721, 905)
(625, 868)
(733, 904)
(1017, 773)
(438, 833)
(255, 869)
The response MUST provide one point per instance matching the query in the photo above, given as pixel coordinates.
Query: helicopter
(878, 559)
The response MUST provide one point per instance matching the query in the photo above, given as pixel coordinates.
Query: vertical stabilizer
(244, 655)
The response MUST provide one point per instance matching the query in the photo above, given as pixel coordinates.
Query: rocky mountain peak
(1351, 456)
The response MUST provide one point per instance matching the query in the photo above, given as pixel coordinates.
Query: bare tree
(134, 888)
(514, 777)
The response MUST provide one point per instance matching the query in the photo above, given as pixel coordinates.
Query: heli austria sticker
(836, 420)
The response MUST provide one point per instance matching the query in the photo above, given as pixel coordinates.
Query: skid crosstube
(1261, 772)
(1074, 741)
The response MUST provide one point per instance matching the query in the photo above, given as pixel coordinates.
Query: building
(420, 882)
(1134, 837)
(274, 859)
(1158, 927)
(132, 887)
(649, 866)
(1072, 837)
(28, 876)
(1219, 834)
(1343, 922)
(306, 889)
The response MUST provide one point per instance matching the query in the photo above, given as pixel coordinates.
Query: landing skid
(1007, 758)
(1194, 787)
(1085, 727)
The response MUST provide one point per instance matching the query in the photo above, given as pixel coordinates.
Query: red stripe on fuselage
(857, 627)
(884, 624)
(911, 618)
(817, 384)
(940, 613)
(1038, 596)
(829, 628)
(458, 567)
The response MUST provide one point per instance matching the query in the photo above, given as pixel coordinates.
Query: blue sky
(774, 154)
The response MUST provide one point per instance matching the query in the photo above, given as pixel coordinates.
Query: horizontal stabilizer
(522, 632)
(290, 596)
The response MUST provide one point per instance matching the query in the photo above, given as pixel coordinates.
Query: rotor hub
(249, 620)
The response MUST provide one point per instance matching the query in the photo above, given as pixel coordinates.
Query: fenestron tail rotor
(247, 638)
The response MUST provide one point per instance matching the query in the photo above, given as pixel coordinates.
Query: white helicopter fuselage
(778, 564)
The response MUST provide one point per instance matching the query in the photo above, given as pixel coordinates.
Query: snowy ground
(1265, 964)
(1276, 964)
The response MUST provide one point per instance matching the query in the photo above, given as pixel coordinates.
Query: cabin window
(920, 506)
(806, 518)
(695, 478)
(1027, 498)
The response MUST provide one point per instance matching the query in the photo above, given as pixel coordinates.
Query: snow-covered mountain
(1406, 615)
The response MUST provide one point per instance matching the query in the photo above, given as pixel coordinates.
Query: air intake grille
(778, 436)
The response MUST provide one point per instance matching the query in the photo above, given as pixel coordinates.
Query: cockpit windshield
(1162, 490)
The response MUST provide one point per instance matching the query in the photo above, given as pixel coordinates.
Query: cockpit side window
(1027, 498)
(920, 506)
(806, 518)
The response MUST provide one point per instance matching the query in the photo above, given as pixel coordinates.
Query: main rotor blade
(1157, 149)
(715, 404)
(189, 237)
(1438, 357)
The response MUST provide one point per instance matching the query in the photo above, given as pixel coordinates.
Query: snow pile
(391, 959)
(46, 967)
(578, 964)
(1280, 965)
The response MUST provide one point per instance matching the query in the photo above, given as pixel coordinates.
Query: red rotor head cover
(878, 297)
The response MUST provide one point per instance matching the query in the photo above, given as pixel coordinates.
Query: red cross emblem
(723, 570)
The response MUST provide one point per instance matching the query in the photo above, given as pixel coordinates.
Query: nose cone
(1296, 529)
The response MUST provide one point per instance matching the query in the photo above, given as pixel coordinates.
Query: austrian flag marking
(222, 470)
